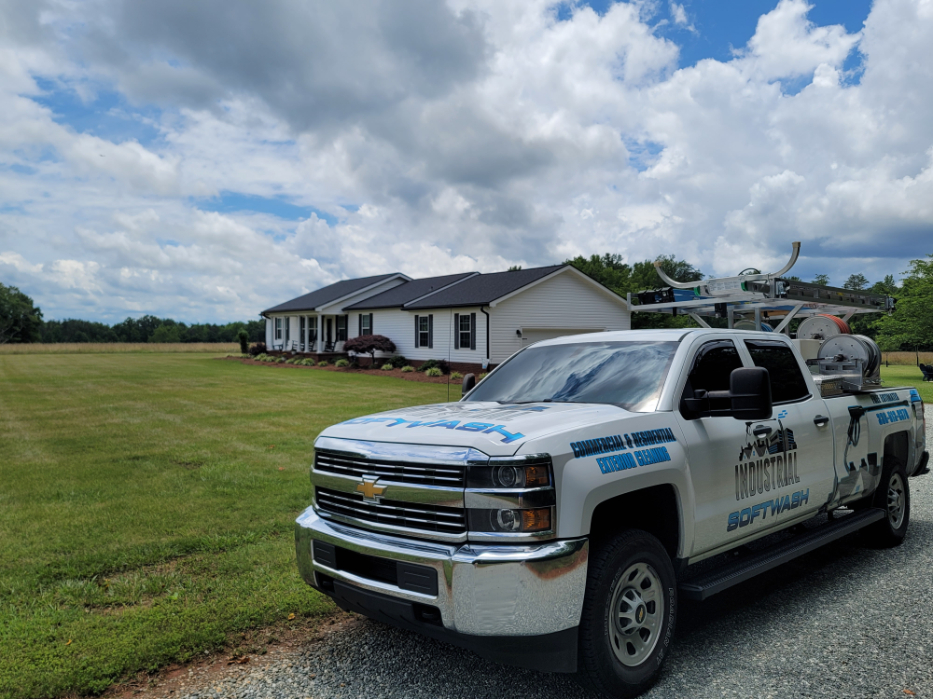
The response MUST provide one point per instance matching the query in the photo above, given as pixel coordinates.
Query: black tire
(892, 496)
(629, 615)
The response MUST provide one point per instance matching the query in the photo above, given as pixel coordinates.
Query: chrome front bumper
(483, 590)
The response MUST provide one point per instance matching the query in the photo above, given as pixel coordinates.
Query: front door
(713, 444)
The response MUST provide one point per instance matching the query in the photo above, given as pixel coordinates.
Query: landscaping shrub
(397, 361)
(456, 375)
(323, 362)
(258, 349)
(369, 344)
(434, 371)
(280, 360)
(259, 357)
(440, 364)
(243, 338)
(388, 366)
(341, 363)
(407, 369)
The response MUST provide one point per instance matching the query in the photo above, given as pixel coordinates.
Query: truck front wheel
(629, 613)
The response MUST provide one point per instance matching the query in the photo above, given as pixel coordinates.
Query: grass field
(147, 503)
(908, 376)
(119, 347)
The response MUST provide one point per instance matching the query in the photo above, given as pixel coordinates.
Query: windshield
(627, 374)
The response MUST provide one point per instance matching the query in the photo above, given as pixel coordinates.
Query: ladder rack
(756, 296)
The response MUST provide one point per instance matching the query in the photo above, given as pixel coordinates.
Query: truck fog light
(510, 521)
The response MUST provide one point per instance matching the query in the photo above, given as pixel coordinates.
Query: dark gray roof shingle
(328, 294)
(483, 288)
(398, 296)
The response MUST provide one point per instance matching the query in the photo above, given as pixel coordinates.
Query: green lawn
(908, 376)
(146, 506)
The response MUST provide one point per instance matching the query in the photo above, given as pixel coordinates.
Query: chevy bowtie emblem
(370, 490)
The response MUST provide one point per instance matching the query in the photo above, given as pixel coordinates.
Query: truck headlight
(522, 472)
(510, 521)
(511, 499)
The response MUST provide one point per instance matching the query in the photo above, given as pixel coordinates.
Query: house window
(366, 324)
(465, 331)
(278, 328)
(288, 327)
(301, 335)
(424, 331)
(342, 328)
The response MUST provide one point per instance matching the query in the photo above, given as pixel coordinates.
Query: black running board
(708, 584)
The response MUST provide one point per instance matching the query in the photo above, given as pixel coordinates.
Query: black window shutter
(431, 330)
(417, 331)
(359, 329)
(456, 331)
(371, 331)
(472, 331)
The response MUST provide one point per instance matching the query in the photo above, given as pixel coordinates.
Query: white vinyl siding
(564, 302)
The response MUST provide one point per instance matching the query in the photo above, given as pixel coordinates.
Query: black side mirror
(750, 390)
(469, 381)
(749, 395)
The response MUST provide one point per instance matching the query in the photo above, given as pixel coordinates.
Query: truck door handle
(762, 431)
(821, 421)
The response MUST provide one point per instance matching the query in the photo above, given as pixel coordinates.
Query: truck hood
(493, 428)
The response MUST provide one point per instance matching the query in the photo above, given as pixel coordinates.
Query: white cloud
(429, 138)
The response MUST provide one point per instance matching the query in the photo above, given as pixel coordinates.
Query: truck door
(802, 481)
(713, 444)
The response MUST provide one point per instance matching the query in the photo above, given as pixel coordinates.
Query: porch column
(304, 340)
(320, 333)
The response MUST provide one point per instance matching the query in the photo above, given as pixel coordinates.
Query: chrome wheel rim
(636, 612)
(896, 500)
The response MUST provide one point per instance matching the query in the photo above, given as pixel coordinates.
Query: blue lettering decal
(733, 522)
(475, 426)
(449, 424)
(508, 437)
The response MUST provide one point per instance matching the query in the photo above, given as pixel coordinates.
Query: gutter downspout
(488, 358)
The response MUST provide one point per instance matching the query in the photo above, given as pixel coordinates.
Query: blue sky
(208, 160)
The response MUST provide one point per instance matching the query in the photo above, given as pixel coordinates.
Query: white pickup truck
(554, 516)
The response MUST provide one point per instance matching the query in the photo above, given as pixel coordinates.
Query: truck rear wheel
(892, 496)
(629, 614)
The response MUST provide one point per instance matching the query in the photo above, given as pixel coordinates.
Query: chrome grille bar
(398, 471)
(447, 520)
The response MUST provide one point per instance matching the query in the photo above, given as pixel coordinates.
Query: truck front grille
(427, 518)
(397, 471)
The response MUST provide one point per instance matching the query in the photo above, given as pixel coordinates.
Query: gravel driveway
(843, 621)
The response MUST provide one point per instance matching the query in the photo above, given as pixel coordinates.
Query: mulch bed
(397, 373)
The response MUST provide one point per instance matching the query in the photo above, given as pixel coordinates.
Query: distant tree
(166, 333)
(910, 326)
(821, 279)
(793, 278)
(886, 287)
(514, 268)
(369, 344)
(20, 319)
(611, 271)
(856, 282)
(243, 338)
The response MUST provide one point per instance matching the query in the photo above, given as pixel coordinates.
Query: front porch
(306, 334)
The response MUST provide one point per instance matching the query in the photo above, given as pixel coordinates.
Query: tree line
(909, 327)
(21, 321)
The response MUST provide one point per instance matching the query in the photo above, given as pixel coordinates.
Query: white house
(468, 319)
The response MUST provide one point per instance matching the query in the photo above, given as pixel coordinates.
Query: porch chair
(329, 345)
